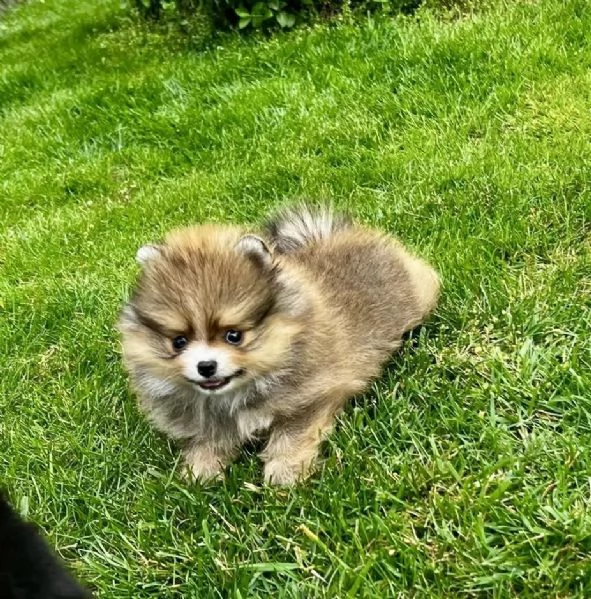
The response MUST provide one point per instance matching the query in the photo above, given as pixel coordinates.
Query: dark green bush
(262, 14)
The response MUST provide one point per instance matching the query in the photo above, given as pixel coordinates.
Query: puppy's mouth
(215, 382)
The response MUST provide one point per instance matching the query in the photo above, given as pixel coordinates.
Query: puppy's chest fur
(235, 416)
(241, 415)
(251, 422)
(244, 414)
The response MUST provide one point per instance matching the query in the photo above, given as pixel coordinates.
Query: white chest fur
(252, 421)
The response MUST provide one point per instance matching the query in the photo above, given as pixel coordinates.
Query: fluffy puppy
(229, 335)
(29, 569)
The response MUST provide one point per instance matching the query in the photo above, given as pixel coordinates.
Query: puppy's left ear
(254, 247)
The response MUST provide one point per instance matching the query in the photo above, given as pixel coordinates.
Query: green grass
(466, 470)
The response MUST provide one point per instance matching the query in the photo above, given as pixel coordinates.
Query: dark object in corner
(29, 568)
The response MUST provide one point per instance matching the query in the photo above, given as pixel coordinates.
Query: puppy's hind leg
(426, 284)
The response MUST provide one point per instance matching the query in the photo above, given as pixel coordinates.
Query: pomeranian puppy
(229, 335)
(29, 569)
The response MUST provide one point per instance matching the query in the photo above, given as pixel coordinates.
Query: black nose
(207, 368)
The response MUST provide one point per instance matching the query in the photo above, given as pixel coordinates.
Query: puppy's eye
(233, 337)
(179, 343)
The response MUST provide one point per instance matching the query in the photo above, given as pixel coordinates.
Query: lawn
(466, 470)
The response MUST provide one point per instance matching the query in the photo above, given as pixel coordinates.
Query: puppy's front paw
(202, 464)
(283, 473)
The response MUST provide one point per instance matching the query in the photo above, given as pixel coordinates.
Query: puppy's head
(210, 312)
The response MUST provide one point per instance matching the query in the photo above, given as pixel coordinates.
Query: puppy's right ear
(254, 247)
(147, 253)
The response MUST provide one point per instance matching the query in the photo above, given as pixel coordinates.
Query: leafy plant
(264, 11)
(261, 14)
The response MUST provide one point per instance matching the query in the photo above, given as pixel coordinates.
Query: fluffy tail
(297, 226)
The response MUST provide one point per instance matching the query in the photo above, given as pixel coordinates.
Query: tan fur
(322, 303)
